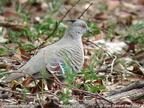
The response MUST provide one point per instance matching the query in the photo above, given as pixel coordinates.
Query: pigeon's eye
(83, 26)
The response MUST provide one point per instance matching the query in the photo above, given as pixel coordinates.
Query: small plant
(70, 76)
(24, 91)
(53, 9)
(65, 96)
(94, 28)
(135, 34)
(102, 5)
(90, 74)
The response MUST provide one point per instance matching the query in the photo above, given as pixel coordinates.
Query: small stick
(99, 47)
(92, 94)
(57, 25)
(3, 89)
(14, 51)
(85, 10)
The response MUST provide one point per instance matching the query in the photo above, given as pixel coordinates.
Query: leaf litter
(112, 59)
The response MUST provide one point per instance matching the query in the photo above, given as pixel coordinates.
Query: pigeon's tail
(13, 76)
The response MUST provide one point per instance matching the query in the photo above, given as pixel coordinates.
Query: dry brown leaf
(99, 82)
(4, 65)
(125, 101)
(101, 16)
(139, 56)
(26, 56)
(131, 47)
(27, 81)
(129, 5)
(39, 87)
(137, 70)
(13, 25)
(9, 67)
(10, 13)
(96, 36)
(78, 81)
(81, 96)
(123, 15)
(85, 42)
(134, 78)
(89, 53)
(141, 2)
(23, 1)
(125, 82)
(12, 45)
(51, 104)
(112, 4)
(86, 63)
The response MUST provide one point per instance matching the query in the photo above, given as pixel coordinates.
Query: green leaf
(3, 51)
(18, 7)
(27, 46)
(95, 88)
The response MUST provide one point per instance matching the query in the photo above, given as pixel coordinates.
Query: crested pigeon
(52, 57)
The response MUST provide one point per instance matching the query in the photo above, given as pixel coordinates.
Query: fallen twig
(13, 25)
(92, 94)
(57, 25)
(6, 90)
(10, 50)
(85, 10)
(98, 47)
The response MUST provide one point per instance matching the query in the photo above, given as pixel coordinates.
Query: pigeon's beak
(89, 31)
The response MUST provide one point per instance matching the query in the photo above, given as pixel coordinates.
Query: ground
(113, 71)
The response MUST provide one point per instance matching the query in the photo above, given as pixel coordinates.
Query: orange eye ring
(83, 26)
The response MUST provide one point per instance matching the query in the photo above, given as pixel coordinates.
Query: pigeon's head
(78, 27)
